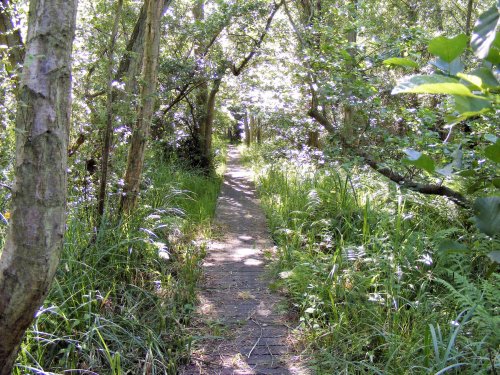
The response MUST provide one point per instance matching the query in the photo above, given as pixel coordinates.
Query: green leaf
(450, 245)
(494, 256)
(448, 48)
(472, 106)
(481, 79)
(484, 32)
(494, 52)
(434, 84)
(496, 182)
(493, 152)
(400, 61)
(447, 170)
(471, 79)
(419, 160)
(451, 68)
(487, 216)
(467, 173)
(491, 137)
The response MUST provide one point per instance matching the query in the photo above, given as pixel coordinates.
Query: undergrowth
(123, 294)
(360, 262)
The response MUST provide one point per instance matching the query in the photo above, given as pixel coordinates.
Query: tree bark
(108, 130)
(258, 133)
(35, 236)
(201, 94)
(251, 123)
(209, 121)
(352, 36)
(135, 160)
(248, 139)
(468, 20)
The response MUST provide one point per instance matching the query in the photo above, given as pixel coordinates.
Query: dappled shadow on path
(241, 330)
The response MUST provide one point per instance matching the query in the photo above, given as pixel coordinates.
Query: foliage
(122, 297)
(363, 266)
(353, 250)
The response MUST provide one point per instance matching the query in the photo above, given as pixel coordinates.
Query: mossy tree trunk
(35, 236)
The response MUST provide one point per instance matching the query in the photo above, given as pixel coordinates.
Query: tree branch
(238, 69)
(430, 189)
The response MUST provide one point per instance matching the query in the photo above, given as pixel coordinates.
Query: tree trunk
(34, 241)
(108, 130)
(135, 160)
(313, 139)
(468, 21)
(248, 140)
(201, 94)
(258, 134)
(352, 36)
(209, 121)
(252, 124)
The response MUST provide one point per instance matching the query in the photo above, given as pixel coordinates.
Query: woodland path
(244, 331)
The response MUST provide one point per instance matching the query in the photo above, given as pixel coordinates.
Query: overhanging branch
(429, 189)
(238, 69)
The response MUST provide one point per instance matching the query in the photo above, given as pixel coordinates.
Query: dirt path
(242, 329)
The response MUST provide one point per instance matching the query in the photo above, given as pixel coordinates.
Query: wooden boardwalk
(242, 330)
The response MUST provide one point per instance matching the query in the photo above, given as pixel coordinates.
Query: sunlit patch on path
(241, 330)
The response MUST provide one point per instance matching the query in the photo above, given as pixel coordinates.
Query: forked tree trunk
(135, 160)
(35, 236)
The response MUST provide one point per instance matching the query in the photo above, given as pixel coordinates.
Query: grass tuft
(361, 264)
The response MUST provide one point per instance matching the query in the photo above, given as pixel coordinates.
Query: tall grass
(361, 264)
(123, 295)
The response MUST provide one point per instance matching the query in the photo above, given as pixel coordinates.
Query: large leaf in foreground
(487, 217)
(434, 84)
(484, 32)
(471, 106)
(492, 152)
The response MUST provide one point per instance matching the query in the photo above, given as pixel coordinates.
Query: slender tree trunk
(35, 237)
(209, 121)
(352, 36)
(468, 20)
(438, 15)
(258, 134)
(135, 160)
(202, 93)
(313, 139)
(108, 130)
(248, 140)
(253, 125)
